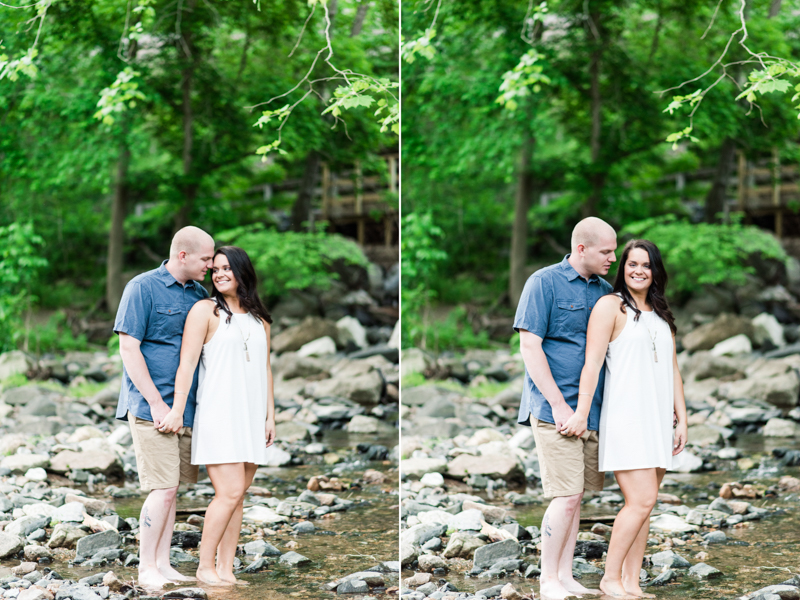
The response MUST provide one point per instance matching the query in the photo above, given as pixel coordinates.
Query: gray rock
(715, 537)
(419, 534)
(198, 593)
(76, 591)
(439, 407)
(39, 406)
(24, 526)
(10, 544)
(353, 586)
(784, 592)
(176, 555)
(304, 527)
(429, 562)
(293, 338)
(20, 463)
(293, 559)
(65, 536)
(668, 558)
(663, 578)
(487, 555)
(91, 544)
(463, 545)
(720, 505)
(704, 571)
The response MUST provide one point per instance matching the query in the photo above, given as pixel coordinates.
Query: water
(769, 557)
(351, 541)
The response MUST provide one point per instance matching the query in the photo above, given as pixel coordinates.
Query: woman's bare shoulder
(203, 308)
(608, 304)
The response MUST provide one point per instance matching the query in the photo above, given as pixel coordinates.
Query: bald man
(552, 318)
(150, 323)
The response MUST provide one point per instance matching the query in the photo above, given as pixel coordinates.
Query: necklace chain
(244, 340)
(653, 337)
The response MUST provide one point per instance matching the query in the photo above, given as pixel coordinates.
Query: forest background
(121, 122)
(521, 118)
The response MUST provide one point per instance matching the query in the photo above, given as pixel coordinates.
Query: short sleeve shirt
(555, 305)
(153, 309)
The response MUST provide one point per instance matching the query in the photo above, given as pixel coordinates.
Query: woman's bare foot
(210, 577)
(553, 590)
(231, 578)
(637, 592)
(613, 589)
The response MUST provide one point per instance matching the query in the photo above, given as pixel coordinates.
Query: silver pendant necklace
(244, 340)
(653, 337)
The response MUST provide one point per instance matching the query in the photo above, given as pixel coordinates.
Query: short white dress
(638, 404)
(232, 395)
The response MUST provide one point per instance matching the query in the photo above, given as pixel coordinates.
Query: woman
(633, 332)
(234, 422)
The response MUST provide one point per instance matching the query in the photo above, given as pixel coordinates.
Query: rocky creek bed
(320, 520)
(725, 525)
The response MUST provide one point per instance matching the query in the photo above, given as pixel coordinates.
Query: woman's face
(638, 276)
(222, 276)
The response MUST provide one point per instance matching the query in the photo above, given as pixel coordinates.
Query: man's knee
(165, 495)
(570, 504)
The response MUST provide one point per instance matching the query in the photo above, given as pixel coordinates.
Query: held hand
(159, 413)
(561, 414)
(680, 439)
(172, 423)
(270, 431)
(575, 425)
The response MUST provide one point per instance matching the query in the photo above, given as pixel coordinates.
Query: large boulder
(490, 465)
(293, 338)
(723, 327)
(487, 555)
(365, 389)
(65, 536)
(93, 461)
(10, 544)
(781, 428)
(13, 363)
(20, 463)
(767, 327)
(92, 544)
(781, 391)
(462, 545)
(414, 360)
(417, 467)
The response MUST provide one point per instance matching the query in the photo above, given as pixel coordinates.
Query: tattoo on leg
(146, 518)
(546, 528)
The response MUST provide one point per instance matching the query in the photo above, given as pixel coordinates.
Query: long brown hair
(656, 294)
(246, 289)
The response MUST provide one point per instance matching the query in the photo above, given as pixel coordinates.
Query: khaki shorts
(164, 460)
(568, 464)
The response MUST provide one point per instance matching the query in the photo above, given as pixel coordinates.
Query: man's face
(197, 263)
(597, 259)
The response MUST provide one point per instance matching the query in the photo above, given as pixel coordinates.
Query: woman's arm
(194, 334)
(598, 336)
(682, 427)
(270, 424)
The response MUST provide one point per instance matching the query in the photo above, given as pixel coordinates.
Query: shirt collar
(167, 277)
(569, 271)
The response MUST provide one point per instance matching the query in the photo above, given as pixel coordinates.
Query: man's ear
(182, 256)
(580, 249)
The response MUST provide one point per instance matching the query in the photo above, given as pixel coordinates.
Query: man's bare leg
(164, 545)
(557, 527)
(226, 550)
(565, 564)
(153, 519)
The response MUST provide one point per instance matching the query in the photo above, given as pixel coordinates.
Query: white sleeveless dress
(232, 395)
(638, 404)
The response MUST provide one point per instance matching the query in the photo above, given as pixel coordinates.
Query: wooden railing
(767, 187)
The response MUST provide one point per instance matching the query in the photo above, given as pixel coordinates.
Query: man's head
(593, 244)
(192, 253)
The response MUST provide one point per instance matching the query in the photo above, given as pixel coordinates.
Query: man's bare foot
(210, 577)
(613, 589)
(573, 587)
(173, 575)
(553, 590)
(635, 590)
(152, 579)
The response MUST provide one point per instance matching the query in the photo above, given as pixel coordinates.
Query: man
(150, 323)
(552, 318)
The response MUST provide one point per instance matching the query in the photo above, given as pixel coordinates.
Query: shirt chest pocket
(169, 319)
(570, 316)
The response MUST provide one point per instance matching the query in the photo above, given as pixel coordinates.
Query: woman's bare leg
(226, 550)
(633, 561)
(229, 488)
(640, 488)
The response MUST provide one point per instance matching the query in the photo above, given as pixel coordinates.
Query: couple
(569, 395)
(221, 415)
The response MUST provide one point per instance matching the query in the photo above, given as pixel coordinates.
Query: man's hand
(575, 425)
(270, 431)
(561, 414)
(173, 422)
(159, 412)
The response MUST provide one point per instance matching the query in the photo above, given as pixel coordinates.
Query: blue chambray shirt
(153, 309)
(555, 305)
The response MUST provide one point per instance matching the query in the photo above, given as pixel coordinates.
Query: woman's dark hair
(246, 279)
(656, 295)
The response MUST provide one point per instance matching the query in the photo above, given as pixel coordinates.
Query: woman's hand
(270, 431)
(575, 425)
(173, 422)
(680, 438)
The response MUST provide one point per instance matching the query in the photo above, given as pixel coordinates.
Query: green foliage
(293, 260)
(413, 380)
(113, 345)
(87, 389)
(17, 380)
(454, 332)
(705, 253)
(523, 80)
(55, 336)
(120, 96)
(20, 262)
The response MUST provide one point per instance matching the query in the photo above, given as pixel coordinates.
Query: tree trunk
(116, 234)
(361, 14)
(596, 176)
(715, 200)
(774, 8)
(519, 231)
(305, 195)
(187, 78)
